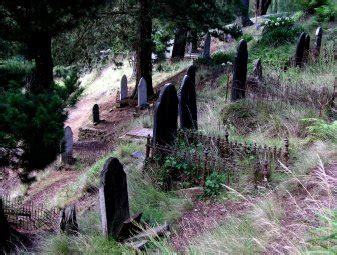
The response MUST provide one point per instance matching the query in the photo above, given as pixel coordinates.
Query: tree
(245, 20)
(32, 105)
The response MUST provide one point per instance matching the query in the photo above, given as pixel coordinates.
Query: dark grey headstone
(142, 93)
(191, 72)
(67, 146)
(188, 104)
(113, 198)
(207, 46)
(5, 231)
(240, 72)
(300, 48)
(68, 221)
(257, 71)
(165, 116)
(124, 88)
(95, 114)
(318, 44)
(306, 48)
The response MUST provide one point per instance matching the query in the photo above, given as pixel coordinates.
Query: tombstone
(300, 48)
(95, 114)
(188, 104)
(207, 46)
(165, 116)
(240, 72)
(124, 88)
(306, 48)
(318, 44)
(257, 71)
(67, 146)
(5, 231)
(191, 72)
(142, 93)
(68, 220)
(113, 198)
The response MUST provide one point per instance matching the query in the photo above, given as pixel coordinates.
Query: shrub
(326, 13)
(219, 58)
(320, 129)
(278, 31)
(234, 30)
(214, 184)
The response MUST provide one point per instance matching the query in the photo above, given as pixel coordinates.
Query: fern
(321, 130)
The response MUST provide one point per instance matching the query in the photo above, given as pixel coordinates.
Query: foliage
(310, 5)
(214, 184)
(326, 13)
(234, 30)
(320, 129)
(278, 31)
(220, 57)
(246, 37)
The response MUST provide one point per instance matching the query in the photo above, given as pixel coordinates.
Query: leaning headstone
(191, 72)
(165, 116)
(67, 146)
(306, 48)
(142, 94)
(240, 72)
(5, 231)
(124, 88)
(188, 105)
(318, 44)
(113, 198)
(68, 220)
(95, 114)
(257, 71)
(207, 46)
(300, 48)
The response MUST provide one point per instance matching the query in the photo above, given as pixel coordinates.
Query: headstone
(165, 116)
(142, 94)
(240, 72)
(188, 105)
(113, 198)
(207, 46)
(67, 146)
(68, 220)
(300, 48)
(257, 71)
(318, 44)
(191, 72)
(5, 231)
(95, 114)
(124, 88)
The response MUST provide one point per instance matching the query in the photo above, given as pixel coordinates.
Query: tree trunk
(245, 14)
(265, 6)
(194, 41)
(41, 52)
(144, 48)
(180, 38)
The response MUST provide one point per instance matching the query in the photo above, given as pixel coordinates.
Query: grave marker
(67, 145)
(240, 72)
(188, 104)
(124, 88)
(300, 49)
(165, 116)
(142, 93)
(207, 46)
(191, 72)
(257, 71)
(95, 114)
(318, 44)
(68, 220)
(113, 198)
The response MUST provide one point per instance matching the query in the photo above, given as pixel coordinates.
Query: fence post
(286, 151)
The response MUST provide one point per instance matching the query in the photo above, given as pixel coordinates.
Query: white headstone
(142, 93)
(124, 88)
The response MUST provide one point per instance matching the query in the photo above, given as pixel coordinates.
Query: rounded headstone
(188, 104)
(95, 114)
(142, 93)
(124, 88)
(300, 48)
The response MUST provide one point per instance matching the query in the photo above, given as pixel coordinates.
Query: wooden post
(286, 151)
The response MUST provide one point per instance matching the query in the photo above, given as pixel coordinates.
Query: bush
(219, 58)
(278, 31)
(321, 130)
(326, 13)
(214, 184)
(309, 6)
(234, 30)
